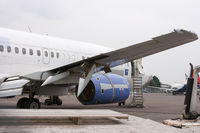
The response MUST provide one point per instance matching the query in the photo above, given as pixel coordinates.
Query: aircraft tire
(59, 102)
(34, 103)
(48, 102)
(21, 102)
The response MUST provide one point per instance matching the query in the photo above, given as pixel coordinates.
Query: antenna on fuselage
(29, 29)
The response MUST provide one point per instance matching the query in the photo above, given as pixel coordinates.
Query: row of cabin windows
(38, 52)
(30, 51)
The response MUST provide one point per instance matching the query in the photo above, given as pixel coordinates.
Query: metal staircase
(137, 92)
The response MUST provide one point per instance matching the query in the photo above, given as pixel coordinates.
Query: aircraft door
(45, 56)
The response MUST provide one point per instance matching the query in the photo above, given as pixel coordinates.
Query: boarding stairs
(136, 94)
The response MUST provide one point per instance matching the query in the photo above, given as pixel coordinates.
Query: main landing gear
(34, 103)
(53, 100)
(121, 103)
(28, 103)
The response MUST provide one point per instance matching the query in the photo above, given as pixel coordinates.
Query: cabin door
(45, 56)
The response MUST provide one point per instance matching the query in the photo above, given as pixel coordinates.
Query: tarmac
(157, 107)
(98, 125)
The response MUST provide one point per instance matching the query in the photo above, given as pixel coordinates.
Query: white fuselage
(22, 53)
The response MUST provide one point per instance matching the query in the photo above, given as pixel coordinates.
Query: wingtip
(181, 31)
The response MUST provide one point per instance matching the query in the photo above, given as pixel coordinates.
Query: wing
(114, 58)
(133, 52)
(157, 44)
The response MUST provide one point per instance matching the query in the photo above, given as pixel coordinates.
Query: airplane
(37, 65)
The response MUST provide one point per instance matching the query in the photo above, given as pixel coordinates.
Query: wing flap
(12, 88)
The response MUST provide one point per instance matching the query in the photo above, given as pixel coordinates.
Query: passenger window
(38, 53)
(57, 55)
(52, 54)
(1, 48)
(30, 51)
(23, 51)
(16, 50)
(46, 53)
(8, 49)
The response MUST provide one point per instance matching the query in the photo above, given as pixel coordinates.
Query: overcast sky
(113, 23)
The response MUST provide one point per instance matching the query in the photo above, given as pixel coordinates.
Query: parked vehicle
(180, 91)
(183, 90)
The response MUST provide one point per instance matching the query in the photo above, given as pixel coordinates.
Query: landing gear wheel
(121, 103)
(34, 103)
(59, 101)
(48, 102)
(53, 100)
(25, 104)
(21, 104)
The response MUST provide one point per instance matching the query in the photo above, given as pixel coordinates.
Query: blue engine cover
(105, 88)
